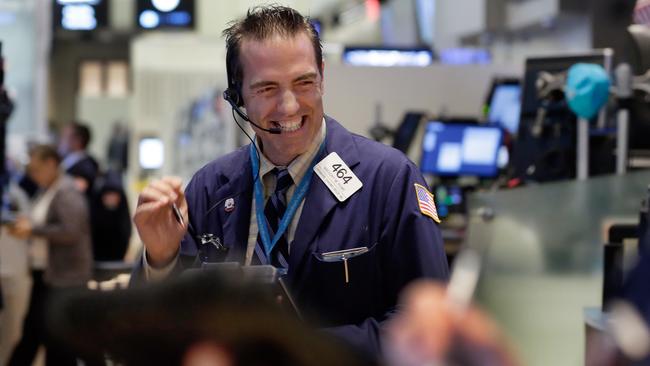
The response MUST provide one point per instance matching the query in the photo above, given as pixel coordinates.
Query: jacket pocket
(346, 284)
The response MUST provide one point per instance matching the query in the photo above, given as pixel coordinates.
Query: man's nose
(288, 104)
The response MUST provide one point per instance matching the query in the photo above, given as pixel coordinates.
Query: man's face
(282, 87)
(42, 171)
(66, 141)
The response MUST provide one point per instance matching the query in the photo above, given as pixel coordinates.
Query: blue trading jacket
(383, 215)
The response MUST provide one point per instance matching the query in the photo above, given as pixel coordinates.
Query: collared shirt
(297, 169)
(72, 159)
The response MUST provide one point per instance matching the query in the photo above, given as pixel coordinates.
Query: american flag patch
(426, 202)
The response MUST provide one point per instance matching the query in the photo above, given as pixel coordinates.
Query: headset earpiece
(231, 96)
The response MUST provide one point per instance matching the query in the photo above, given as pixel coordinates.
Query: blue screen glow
(458, 149)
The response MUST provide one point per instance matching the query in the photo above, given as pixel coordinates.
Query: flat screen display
(465, 56)
(387, 57)
(165, 14)
(505, 106)
(406, 131)
(461, 150)
(80, 15)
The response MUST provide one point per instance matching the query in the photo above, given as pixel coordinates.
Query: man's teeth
(290, 126)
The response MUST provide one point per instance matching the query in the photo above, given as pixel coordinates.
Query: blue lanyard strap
(298, 195)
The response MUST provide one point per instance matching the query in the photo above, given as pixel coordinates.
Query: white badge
(337, 176)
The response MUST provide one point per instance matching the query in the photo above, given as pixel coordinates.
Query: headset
(232, 95)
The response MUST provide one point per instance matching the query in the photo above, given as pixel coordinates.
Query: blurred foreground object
(432, 331)
(642, 12)
(197, 317)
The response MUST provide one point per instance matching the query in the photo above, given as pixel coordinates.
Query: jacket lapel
(319, 201)
(236, 222)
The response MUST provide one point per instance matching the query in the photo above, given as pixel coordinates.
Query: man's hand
(158, 227)
(21, 229)
(429, 330)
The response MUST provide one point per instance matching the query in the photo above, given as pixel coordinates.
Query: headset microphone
(232, 98)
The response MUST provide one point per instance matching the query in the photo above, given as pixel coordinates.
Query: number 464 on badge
(337, 176)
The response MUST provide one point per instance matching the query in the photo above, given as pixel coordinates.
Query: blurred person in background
(111, 219)
(60, 219)
(14, 270)
(118, 148)
(77, 162)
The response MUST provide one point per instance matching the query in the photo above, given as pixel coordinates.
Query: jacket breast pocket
(346, 284)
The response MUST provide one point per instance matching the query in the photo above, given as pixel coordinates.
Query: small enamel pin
(229, 205)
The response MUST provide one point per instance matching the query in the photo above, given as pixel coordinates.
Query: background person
(60, 217)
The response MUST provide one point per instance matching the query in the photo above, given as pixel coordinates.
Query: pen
(202, 239)
(464, 279)
(179, 218)
(177, 213)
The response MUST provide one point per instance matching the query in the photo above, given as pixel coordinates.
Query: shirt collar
(72, 158)
(298, 167)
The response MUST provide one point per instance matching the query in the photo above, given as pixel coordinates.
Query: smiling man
(348, 221)
(283, 89)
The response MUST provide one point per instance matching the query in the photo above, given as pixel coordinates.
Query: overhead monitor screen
(406, 131)
(165, 14)
(505, 107)
(387, 57)
(465, 56)
(461, 150)
(80, 15)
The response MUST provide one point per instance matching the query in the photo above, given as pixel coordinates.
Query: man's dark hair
(45, 152)
(260, 23)
(82, 132)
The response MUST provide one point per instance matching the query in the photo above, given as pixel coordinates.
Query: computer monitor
(165, 14)
(387, 56)
(450, 199)
(465, 56)
(405, 133)
(80, 15)
(545, 148)
(461, 150)
(503, 104)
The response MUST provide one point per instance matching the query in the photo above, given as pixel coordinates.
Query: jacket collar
(319, 201)
(239, 187)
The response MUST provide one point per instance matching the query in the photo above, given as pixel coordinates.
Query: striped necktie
(273, 211)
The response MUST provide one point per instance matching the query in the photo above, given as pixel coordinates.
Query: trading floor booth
(545, 147)
(544, 262)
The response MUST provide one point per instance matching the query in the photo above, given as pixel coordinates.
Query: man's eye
(305, 84)
(265, 90)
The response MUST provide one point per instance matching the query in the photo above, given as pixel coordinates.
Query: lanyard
(298, 196)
